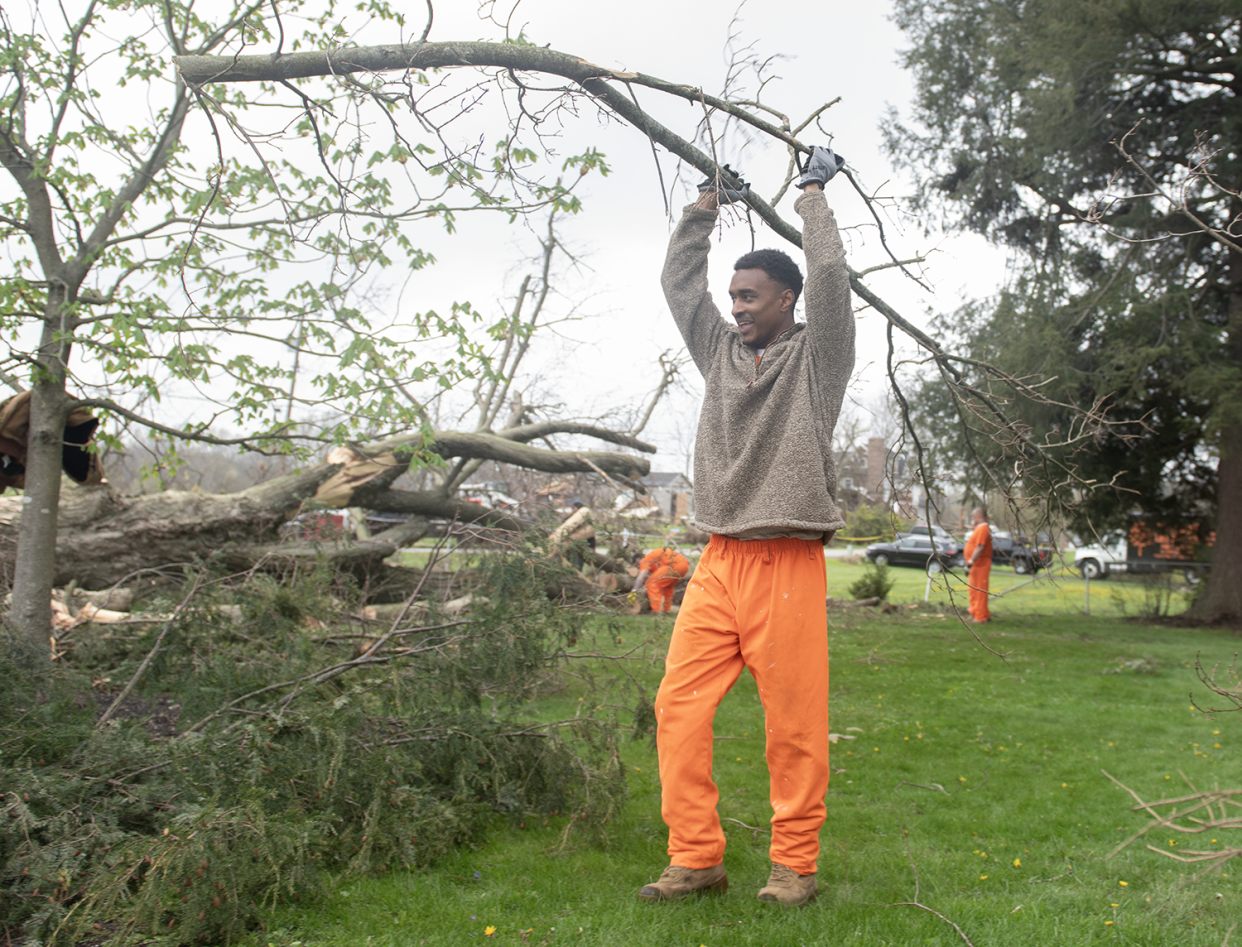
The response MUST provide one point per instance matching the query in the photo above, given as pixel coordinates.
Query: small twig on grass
(757, 831)
(1040, 881)
(1216, 803)
(918, 904)
(987, 774)
(936, 786)
(873, 656)
(933, 787)
(1231, 690)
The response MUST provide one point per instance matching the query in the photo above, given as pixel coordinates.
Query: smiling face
(762, 308)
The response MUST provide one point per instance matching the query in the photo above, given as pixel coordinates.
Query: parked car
(1007, 551)
(941, 534)
(916, 551)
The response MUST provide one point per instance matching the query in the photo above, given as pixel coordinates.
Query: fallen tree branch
(916, 903)
(146, 662)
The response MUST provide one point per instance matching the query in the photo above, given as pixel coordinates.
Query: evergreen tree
(1102, 142)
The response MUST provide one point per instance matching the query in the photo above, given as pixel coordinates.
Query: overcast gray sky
(822, 51)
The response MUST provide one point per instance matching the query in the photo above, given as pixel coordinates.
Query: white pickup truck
(1143, 549)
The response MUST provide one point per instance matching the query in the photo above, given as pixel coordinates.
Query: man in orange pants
(764, 487)
(978, 555)
(660, 571)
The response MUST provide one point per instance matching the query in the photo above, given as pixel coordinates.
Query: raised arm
(685, 280)
(829, 313)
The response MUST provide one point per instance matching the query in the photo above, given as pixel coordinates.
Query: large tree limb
(104, 536)
(533, 432)
(591, 77)
(495, 447)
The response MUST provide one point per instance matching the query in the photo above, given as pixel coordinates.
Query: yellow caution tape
(858, 539)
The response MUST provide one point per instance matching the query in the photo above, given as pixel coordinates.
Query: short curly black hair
(778, 266)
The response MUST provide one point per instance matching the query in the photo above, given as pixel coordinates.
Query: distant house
(874, 476)
(852, 478)
(672, 493)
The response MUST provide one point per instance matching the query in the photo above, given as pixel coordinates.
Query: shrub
(875, 582)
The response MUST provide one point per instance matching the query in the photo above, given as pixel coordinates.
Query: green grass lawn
(970, 782)
(1058, 591)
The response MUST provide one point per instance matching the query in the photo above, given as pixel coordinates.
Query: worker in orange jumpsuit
(765, 484)
(660, 571)
(978, 554)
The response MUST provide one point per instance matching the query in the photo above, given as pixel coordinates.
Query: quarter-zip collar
(783, 337)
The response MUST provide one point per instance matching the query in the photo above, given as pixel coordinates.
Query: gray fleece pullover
(763, 464)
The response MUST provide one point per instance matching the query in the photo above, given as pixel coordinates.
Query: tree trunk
(34, 543)
(1221, 598)
(33, 546)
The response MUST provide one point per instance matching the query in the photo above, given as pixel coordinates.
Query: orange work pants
(758, 604)
(977, 579)
(660, 593)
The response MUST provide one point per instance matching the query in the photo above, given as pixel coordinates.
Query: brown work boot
(678, 882)
(788, 887)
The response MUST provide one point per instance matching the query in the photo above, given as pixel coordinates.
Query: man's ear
(787, 301)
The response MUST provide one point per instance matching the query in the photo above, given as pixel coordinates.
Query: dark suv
(1007, 551)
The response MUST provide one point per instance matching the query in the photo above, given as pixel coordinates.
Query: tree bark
(33, 546)
(1221, 598)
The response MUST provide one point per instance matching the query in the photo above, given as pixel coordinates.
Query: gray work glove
(820, 167)
(729, 186)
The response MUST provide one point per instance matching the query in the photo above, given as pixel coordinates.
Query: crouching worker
(764, 484)
(660, 571)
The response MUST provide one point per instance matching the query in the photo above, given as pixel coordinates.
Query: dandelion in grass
(489, 930)
(1124, 884)
(1017, 863)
